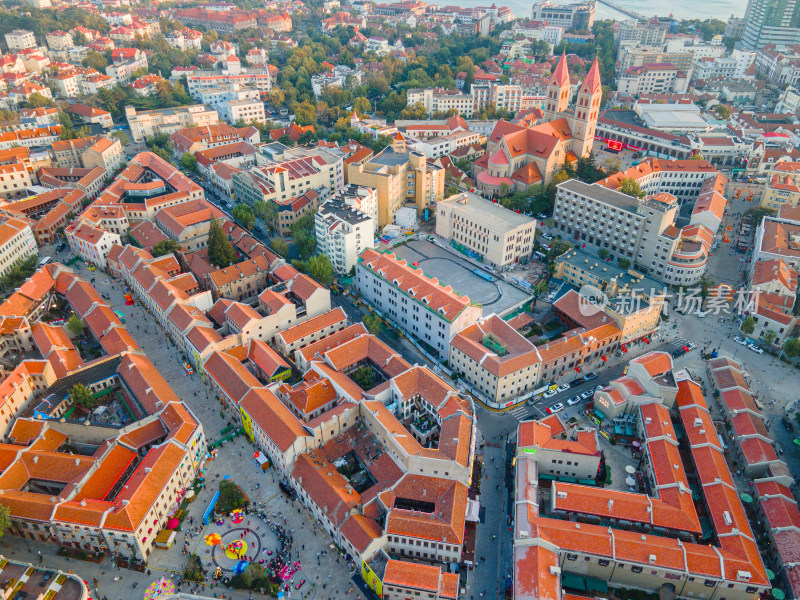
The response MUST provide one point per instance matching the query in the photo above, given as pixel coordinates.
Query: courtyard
(450, 269)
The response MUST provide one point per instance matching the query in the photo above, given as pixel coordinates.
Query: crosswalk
(520, 411)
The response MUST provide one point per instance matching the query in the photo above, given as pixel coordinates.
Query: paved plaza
(457, 272)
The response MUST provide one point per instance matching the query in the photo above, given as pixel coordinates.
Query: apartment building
(240, 281)
(148, 123)
(250, 110)
(502, 237)
(343, 233)
(97, 151)
(310, 331)
(781, 188)
(20, 39)
(419, 305)
(441, 100)
(257, 78)
(637, 56)
(653, 78)
(400, 176)
(362, 198)
(578, 15)
(16, 242)
(91, 243)
(647, 33)
(14, 180)
(296, 184)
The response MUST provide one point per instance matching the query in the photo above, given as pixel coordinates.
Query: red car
(299, 585)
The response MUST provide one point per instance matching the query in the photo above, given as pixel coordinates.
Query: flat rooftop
(672, 116)
(602, 194)
(493, 215)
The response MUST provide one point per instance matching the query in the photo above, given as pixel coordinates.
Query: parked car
(573, 401)
(551, 410)
(550, 393)
(740, 340)
(547, 236)
(690, 346)
(562, 387)
(587, 394)
(755, 349)
(577, 381)
(591, 376)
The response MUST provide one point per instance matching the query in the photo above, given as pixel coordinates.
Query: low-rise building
(17, 242)
(502, 237)
(148, 123)
(412, 301)
(20, 39)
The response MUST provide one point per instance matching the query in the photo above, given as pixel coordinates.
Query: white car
(587, 394)
(547, 236)
(573, 401)
(690, 346)
(550, 393)
(562, 387)
(555, 408)
(755, 349)
(740, 340)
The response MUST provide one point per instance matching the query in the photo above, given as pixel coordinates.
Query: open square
(494, 296)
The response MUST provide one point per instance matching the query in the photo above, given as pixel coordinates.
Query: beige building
(16, 242)
(401, 177)
(502, 237)
(14, 179)
(495, 358)
(782, 186)
(98, 151)
(416, 303)
(148, 123)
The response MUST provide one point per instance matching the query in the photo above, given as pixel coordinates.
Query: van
(44, 260)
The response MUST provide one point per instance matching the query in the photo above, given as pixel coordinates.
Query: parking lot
(450, 269)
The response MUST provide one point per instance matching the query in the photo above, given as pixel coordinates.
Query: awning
(576, 582)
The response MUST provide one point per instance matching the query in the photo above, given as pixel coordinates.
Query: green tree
(450, 191)
(373, 323)
(286, 140)
(307, 138)
(244, 215)
(37, 100)
(165, 247)
(321, 269)
(769, 336)
(19, 271)
(628, 185)
(624, 263)
(792, 347)
(189, 161)
(5, 519)
(603, 253)
(95, 60)
(267, 212)
(280, 246)
(220, 250)
(749, 325)
(705, 286)
(723, 110)
(303, 236)
(362, 106)
(364, 377)
(82, 396)
(75, 324)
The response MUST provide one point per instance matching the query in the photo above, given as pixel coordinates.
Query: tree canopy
(220, 250)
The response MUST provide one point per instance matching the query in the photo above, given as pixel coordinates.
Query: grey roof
(343, 211)
(597, 192)
(494, 216)
(390, 158)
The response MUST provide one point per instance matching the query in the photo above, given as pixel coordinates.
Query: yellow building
(401, 177)
(782, 188)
